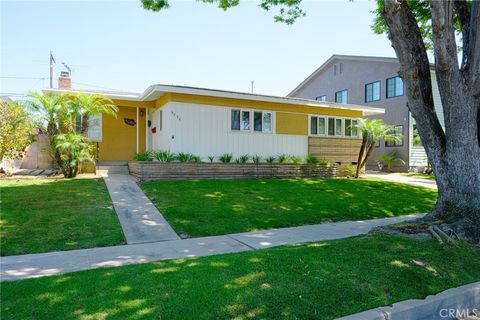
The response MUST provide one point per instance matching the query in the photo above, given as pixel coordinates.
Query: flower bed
(153, 170)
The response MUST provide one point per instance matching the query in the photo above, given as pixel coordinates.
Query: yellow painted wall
(119, 140)
(291, 123)
(253, 104)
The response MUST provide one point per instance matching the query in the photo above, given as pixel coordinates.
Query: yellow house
(209, 122)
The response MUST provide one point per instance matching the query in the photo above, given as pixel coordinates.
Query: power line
(24, 78)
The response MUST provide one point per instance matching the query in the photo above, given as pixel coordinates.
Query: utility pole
(52, 62)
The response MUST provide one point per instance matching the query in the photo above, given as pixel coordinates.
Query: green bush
(283, 158)
(270, 159)
(348, 171)
(211, 158)
(164, 156)
(256, 159)
(311, 160)
(226, 158)
(324, 161)
(187, 157)
(296, 159)
(74, 149)
(143, 156)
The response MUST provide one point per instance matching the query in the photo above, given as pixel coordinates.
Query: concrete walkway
(403, 179)
(141, 222)
(43, 264)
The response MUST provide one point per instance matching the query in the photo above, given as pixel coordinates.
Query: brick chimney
(64, 81)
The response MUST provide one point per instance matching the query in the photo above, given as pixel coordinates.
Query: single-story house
(209, 122)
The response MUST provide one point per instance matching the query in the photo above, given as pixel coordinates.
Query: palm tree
(86, 105)
(372, 130)
(53, 113)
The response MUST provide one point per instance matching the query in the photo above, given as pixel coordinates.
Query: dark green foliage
(143, 156)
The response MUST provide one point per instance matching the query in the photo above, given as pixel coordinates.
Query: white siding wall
(418, 156)
(205, 131)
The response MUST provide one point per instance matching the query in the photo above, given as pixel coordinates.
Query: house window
(341, 96)
(372, 91)
(394, 87)
(331, 126)
(95, 128)
(398, 130)
(321, 98)
(235, 121)
(348, 127)
(338, 127)
(354, 128)
(245, 126)
(317, 126)
(241, 121)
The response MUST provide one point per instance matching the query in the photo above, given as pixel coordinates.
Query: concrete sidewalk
(403, 179)
(141, 221)
(43, 264)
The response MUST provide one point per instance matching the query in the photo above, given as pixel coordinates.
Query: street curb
(450, 304)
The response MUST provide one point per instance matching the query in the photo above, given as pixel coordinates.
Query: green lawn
(40, 215)
(419, 175)
(212, 207)
(321, 280)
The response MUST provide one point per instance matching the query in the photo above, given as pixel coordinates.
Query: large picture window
(394, 87)
(95, 128)
(372, 91)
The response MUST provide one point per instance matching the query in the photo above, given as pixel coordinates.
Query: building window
(321, 98)
(351, 129)
(245, 121)
(394, 87)
(241, 119)
(338, 127)
(317, 126)
(341, 96)
(235, 122)
(331, 126)
(398, 130)
(372, 91)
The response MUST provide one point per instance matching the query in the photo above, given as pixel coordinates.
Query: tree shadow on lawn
(229, 206)
(316, 280)
(40, 215)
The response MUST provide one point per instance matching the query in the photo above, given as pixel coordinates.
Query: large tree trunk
(455, 152)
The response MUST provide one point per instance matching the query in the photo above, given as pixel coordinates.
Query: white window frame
(251, 121)
(318, 134)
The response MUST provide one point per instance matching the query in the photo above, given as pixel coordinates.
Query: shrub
(296, 159)
(348, 171)
(283, 158)
(256, 159)
(211, 158)
(73, 149)
(324, 161)
(226, 158)
(244, 158)
(389, 159)
(143, 156)
(311, 160)
(164, 156)
(270, 159)
(187, 157)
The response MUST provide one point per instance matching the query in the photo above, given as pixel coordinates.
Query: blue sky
(119, 45)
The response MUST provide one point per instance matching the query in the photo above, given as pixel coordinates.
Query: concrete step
(113, 169)
(112, 163)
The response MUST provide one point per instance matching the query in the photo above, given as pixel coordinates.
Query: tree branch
(463, 14)
(415, 72)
